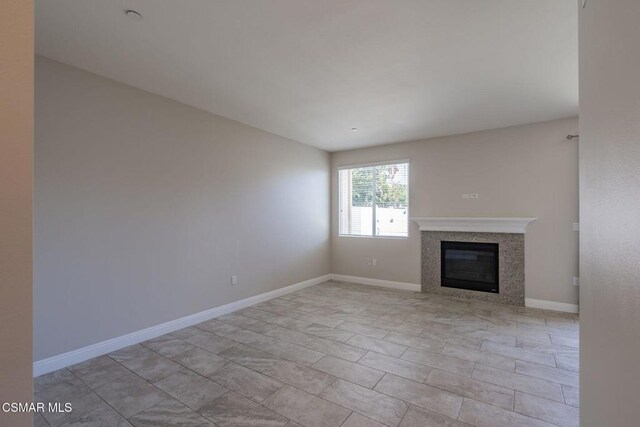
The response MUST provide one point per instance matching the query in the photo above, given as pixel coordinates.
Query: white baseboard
(377, 282)
(529, 302)
(69, 358)
(63, 360)
(551, 305)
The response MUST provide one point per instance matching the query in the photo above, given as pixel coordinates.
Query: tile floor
(336, 354)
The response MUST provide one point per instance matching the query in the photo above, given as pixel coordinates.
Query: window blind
(374, 200)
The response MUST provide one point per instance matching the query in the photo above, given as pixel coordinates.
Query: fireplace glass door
(470, 265)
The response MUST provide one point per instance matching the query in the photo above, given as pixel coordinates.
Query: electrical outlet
(465, 196)
(374, 261)
(234, 280)
(369, 261)
(576, 281)
(474, 195)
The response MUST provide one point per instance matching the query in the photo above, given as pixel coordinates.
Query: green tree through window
(391, 189)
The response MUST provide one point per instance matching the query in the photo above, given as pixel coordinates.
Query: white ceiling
(311, 70)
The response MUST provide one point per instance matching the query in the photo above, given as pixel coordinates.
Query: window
(374, 200)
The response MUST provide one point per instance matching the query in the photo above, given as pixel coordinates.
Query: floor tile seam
(498, 407)
(100, 397)
(337, 342)
(281, 381)
(378, 382)
(567, 371)
(357, 333)
(290, 329)
(516, 373)
(406, 412)
(306, 313)
(467, 397)
(422, 349)
(283, 360)
(524, 360)
(520, 413)
(361, 365)
(245, 397)
(429, 385)
(92, 391)
(265, 336)
(184, 368)
(153, 383)
(358, 385)
(283, 384)
(540, 419)
(156, 404)
(545, 379)
(261, 320)
(389, 342)
(318, 396)
(45, 420)
(397, 358)
(133, 372)
(53, 385)
(563, 396)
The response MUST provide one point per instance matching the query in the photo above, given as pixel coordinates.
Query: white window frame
(373, 213)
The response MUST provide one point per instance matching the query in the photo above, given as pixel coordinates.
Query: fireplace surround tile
(511, 265)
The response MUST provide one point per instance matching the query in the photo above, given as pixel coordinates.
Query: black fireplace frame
(472, 285)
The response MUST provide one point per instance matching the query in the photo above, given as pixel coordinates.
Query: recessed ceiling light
(136, 16)
(354, 129)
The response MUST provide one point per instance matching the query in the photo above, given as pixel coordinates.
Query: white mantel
(478, 225)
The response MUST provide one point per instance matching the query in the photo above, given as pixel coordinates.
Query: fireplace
(445, 270)
(469, 265)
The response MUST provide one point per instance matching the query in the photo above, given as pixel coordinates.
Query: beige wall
(16, 171)
(145, 207)
(527, 171)
(610, 213)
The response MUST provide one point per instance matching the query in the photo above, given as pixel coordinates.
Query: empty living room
(319, 213)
